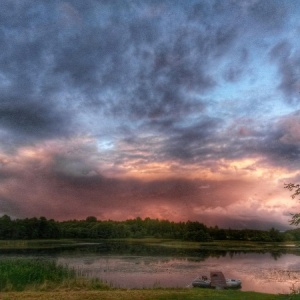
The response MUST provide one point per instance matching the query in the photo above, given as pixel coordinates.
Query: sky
(178, 110)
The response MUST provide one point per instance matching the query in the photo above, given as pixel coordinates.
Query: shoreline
(142, 294)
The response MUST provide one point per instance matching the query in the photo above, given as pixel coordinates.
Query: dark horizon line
(95, 219)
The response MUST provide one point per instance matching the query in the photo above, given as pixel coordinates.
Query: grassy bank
(36, 274)
(155, 294)
(215, 245)
(36, 244)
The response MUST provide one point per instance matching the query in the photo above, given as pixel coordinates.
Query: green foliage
(292, 235)
(92, 228)
(28, 228)
(146, 294)
(17, 274)
(295, 188)
(91, 219)
(32, 274)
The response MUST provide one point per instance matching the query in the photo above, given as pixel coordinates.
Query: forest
(42, 228)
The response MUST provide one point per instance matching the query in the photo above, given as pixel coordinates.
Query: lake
(142, 266)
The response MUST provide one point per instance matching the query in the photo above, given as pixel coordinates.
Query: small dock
(218, 280)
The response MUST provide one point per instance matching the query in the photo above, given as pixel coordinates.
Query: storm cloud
(178, 110)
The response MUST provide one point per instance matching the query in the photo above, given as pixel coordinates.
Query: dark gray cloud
(189, 142)
(5, 175)
(275, 141)
(33, 119)
(26, 112)
(278, 142)
(177, 84)
(233, 74)
(55, 49)
(10, 207)
(270, 14)
(288, 61)
(61, 47)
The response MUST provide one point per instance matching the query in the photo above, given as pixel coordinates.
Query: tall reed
(18, 274)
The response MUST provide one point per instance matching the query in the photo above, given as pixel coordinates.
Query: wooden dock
(218, 280)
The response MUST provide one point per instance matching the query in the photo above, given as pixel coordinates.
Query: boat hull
(217, 280)
(201, 283)
(233, 283)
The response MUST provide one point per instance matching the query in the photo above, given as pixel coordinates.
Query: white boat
(203, 282)
(217, 280)
(233, 283)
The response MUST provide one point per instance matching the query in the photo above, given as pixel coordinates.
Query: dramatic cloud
(119, 109)
(289, 69)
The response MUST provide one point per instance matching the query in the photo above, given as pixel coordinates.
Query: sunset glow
(179, 110)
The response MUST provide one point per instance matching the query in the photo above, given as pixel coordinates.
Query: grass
(36, 244)
(230, 245)
(155, 294)
(218, 245)
(36, 274)
(215, 245)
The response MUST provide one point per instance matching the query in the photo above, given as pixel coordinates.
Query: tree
(91, 219)
(6, 227)
(295, 188)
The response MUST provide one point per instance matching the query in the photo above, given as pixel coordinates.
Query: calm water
(258, 272)
(140, 266)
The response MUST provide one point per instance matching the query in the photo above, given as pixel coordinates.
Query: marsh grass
(37, 274)
(14, 245)
(37, 244)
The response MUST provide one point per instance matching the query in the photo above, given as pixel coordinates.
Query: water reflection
(137, 265)
(141, 249)
(258, 271)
